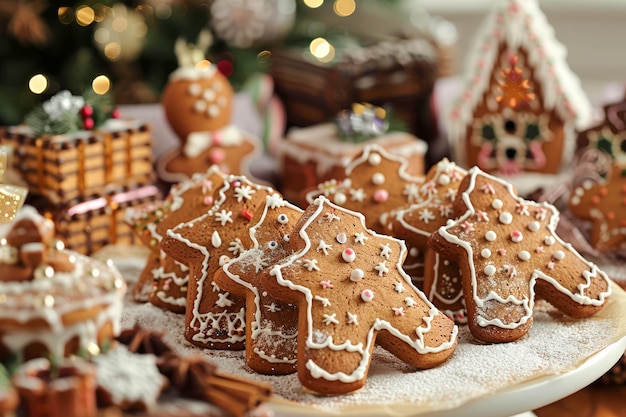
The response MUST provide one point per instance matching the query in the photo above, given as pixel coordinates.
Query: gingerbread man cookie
(272, 325)
(351, 293)
(509, 252)
(605, 205)
(214, 318)
(375, 182)
(163, 280)
(440, 278)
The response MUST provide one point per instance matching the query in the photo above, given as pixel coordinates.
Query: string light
(85, 15)
(38, 83)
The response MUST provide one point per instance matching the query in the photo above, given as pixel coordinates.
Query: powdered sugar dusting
(554, 345)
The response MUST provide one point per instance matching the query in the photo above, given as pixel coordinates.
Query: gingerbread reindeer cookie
(163, 281)
(351, 293)
(214, 318)
(375, 182)
(509, 252)
(440, 278)
(605, 205)
(272, 325)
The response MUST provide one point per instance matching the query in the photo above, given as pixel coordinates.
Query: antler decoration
(514, 88)
(189, 54)
(11, 196)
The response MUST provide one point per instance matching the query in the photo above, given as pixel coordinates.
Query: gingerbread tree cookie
(352, 292)
(605, 205)
(508, 251)
(214, 318)
(415, 223)
(272, 325)
(375, 182)
(163, 281)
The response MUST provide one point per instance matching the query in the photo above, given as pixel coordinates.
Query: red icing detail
(246, 214)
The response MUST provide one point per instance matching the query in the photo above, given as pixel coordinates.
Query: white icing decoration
(311, 265)
(341, 238)
(340, 198)
(485, 253)
(491, 236)
(496, 203)
(378, 178)
(549, 241)
(352, 318)
(382, 269)
(534, 226)
(523, 255)
(348, 255)
(356, 275)
(505, 217)
(558, 255)
(374, 159)
(385, 250)
(444, 179)
(330, 319)
(223, 300)
(216, 240)
(516, 236)
(367, 295)
(224, 217)
(398, 287)
(489, 270)
(324, 247)
(360, 238)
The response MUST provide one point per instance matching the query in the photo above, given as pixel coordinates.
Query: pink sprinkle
(502, 251)
(539, 249)
(488, 189)
(246, 214)
(516, 236)
(217, 156)
(208, 200)
(467, 226)
(326, 284)
(550, 265)
(380, 196)
(398, 311)
(217, 139)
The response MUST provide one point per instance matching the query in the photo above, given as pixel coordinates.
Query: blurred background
(126, 48)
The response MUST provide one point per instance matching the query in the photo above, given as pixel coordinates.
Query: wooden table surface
(596, 400)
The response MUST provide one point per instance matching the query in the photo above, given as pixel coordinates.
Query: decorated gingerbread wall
(519, 102)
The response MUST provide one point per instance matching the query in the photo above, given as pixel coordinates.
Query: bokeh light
(313, 4)
(322, 49)
(66, 15)
(101, 84)
(112, 51)
(204, 64)
(38, 83)
(344, 8)
(85, 15)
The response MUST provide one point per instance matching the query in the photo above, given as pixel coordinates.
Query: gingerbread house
(519, 103)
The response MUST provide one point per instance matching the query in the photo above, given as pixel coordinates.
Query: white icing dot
(489, 270)
(378, 178)
(444, 179)
(194, 89)
(549, 240)
(496, 203)
(505, 217)
(516, 236)
(491, 236)
(348, 255)
(213, 110)
(340, 198)
(356, 275)
(534, 226)
(282, 218)
(208, 94)
(342, 238)
(414, 252)
(558, 255)
(523, 255)
(485, 253)
(367, 295)
(199, 106)
(216, 241)
(374, 159)
(223, 260)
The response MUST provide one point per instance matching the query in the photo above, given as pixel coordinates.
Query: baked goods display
(316, 154)
(198, 104)
(440, 278)
(163, 280)
(509, 252)
(516, 111)
(55, 302)
(215, 318)
(272, 325)
(352, 292)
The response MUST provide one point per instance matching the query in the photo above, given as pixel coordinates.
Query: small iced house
(519, 103)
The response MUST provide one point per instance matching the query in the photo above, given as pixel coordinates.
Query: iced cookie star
(511, 255)
(350, 302)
